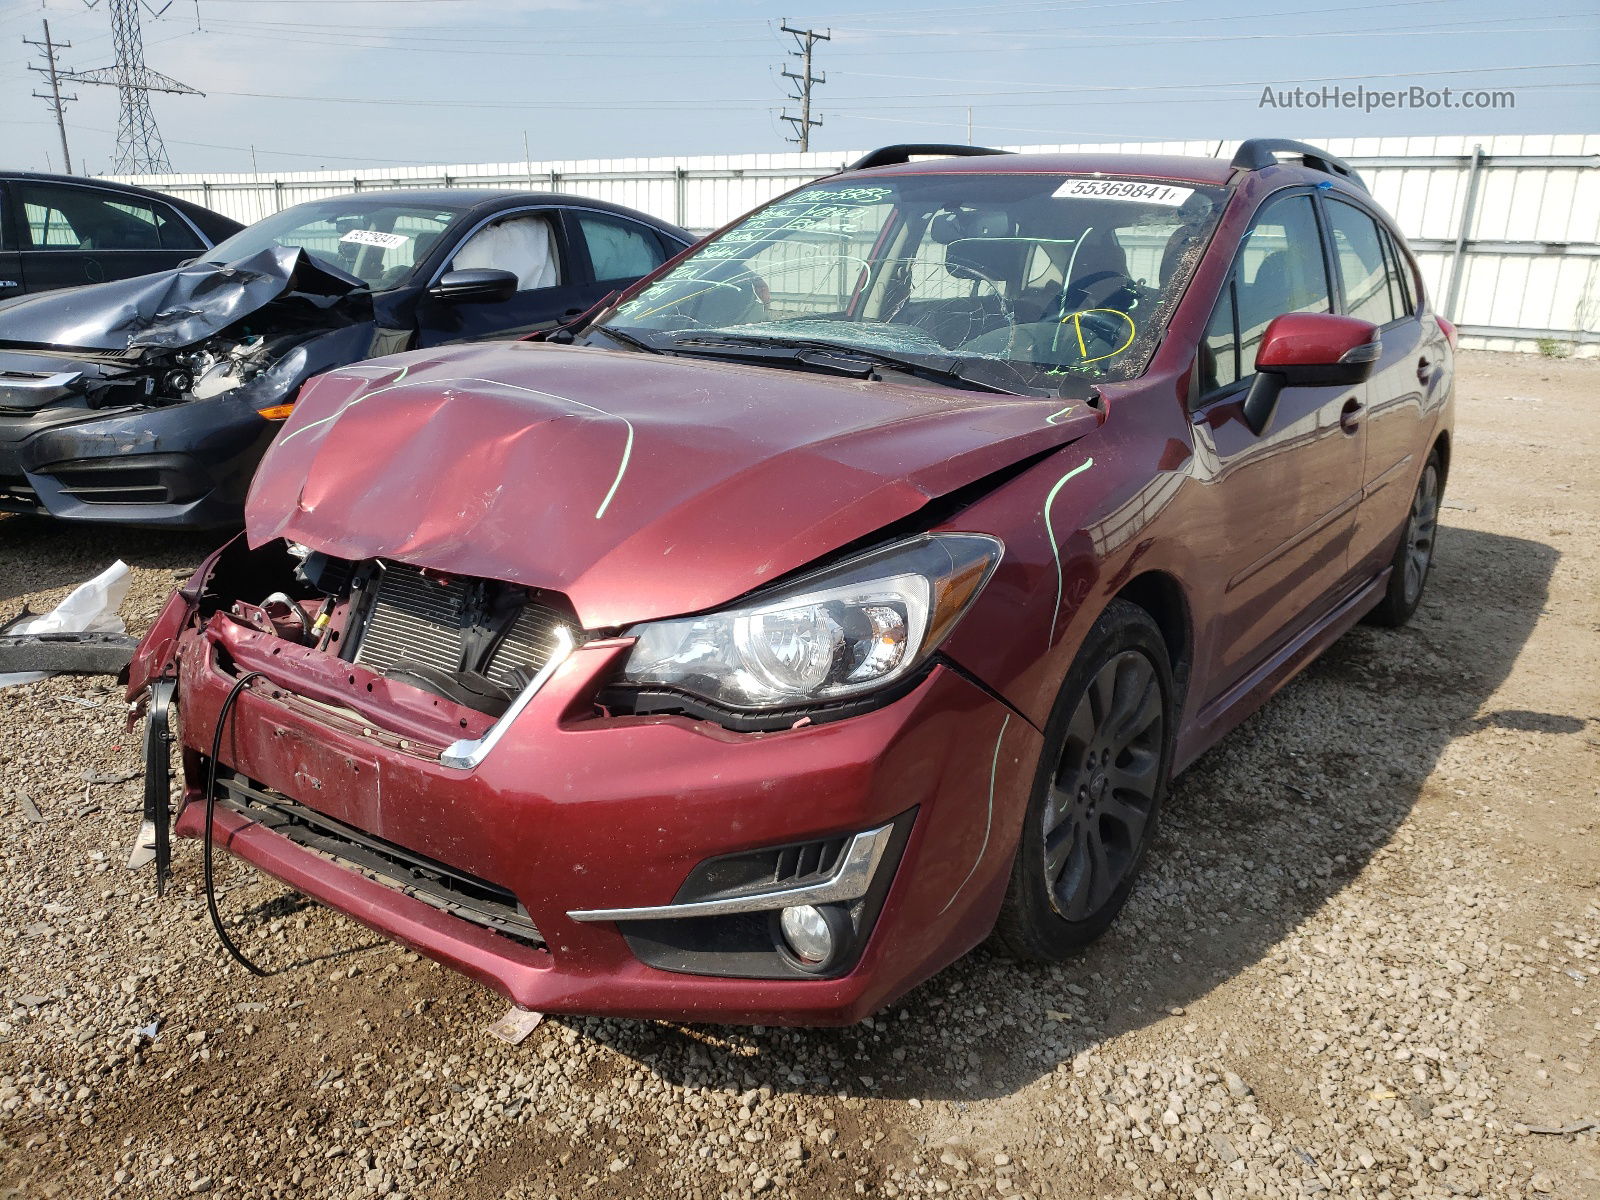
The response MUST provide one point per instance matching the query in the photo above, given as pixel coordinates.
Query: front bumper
(575, 812)
(184, 466)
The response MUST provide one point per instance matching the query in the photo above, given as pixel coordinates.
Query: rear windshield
(1051, 275)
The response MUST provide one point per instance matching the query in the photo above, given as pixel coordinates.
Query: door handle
(573, 312)
(1350, 415)
(1424, 370)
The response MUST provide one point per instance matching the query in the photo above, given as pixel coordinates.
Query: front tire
(1097, 795)
(1413, 557)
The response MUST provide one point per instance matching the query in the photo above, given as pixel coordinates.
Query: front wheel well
(1161, 595)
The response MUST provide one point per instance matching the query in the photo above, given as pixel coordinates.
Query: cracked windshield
(380, 244)
(1014, 281)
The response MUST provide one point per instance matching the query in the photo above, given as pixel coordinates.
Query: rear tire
(1097, 795)
(1413, 556)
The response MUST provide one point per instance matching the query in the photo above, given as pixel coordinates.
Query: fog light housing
(810, 934)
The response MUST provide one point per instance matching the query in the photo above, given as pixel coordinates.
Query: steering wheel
(1076, 340)
(1092, 334)
(1094, 291)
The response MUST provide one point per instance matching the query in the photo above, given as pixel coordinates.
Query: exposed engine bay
(473, 642)
(158, 394)
(153, 378)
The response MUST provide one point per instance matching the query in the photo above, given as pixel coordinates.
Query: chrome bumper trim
(849, 881)
(465, 755)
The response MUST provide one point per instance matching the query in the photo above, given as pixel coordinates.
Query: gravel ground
(1365, 961)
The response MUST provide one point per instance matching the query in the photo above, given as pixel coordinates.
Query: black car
(149, 401)
(60, 231)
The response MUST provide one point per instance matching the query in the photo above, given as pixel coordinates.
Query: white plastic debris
(516, 1025)
(91, 608)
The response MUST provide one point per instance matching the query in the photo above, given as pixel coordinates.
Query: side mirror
(480, 285)
(1309, 350)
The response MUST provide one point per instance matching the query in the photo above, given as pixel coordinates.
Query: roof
(466, 199)
(449, 197)
(1215, 171)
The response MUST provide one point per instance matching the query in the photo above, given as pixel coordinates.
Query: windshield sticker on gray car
(374, 237)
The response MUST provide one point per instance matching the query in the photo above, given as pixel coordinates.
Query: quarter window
(1280, 269)
(1373, 288)
(1402, 286)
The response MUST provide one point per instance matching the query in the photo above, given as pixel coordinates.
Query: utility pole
(55, 99)
(140, 150)
(806, 39)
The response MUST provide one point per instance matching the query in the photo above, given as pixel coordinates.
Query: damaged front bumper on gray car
(149, 401)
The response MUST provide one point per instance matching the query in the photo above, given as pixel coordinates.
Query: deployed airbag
(523, 245)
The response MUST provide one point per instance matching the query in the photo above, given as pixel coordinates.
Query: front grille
(414, 619)
(455, 625)
(444, 887)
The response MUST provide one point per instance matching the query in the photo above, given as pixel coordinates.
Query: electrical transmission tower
(804, 123)
(139, 147)
(56, 100)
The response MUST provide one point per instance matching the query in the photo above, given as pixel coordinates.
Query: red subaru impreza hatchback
(842, 595)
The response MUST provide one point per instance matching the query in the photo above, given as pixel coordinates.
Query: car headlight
(839, 633)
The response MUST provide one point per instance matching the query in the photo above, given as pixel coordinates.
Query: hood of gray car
(170, 309)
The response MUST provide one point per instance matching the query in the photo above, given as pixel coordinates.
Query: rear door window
(1373, 289)
(619, 249)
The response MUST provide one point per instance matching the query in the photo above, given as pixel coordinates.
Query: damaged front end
(375, 646)
(544, 716)
(434, 756)
(150, 400)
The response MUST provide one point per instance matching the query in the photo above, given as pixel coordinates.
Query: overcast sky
(339, 83)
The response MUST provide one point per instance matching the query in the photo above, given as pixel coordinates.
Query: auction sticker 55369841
(1125, 189)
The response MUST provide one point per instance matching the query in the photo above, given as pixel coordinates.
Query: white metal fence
(1507, 228)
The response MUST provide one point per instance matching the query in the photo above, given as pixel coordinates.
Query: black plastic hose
(211, 809)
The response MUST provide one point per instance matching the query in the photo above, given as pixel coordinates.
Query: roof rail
(886, 156)
(1256, 153)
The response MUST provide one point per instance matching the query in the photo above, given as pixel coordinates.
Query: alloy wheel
(1421, 527)
(1104, 790)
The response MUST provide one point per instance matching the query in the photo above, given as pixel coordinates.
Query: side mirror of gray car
(480, 285)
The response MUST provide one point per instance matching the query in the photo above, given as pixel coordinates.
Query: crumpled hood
(639, 485)
(172, 308)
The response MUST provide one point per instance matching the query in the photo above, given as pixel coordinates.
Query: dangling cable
(211, 808)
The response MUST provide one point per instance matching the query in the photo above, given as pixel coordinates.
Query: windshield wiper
(949, 370)
(627, 339)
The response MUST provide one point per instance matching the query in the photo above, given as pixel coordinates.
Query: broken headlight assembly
(827, 638)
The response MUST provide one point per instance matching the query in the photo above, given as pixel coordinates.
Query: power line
(803, 124)
(922, 98)
(139, 148)
(56, 100)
